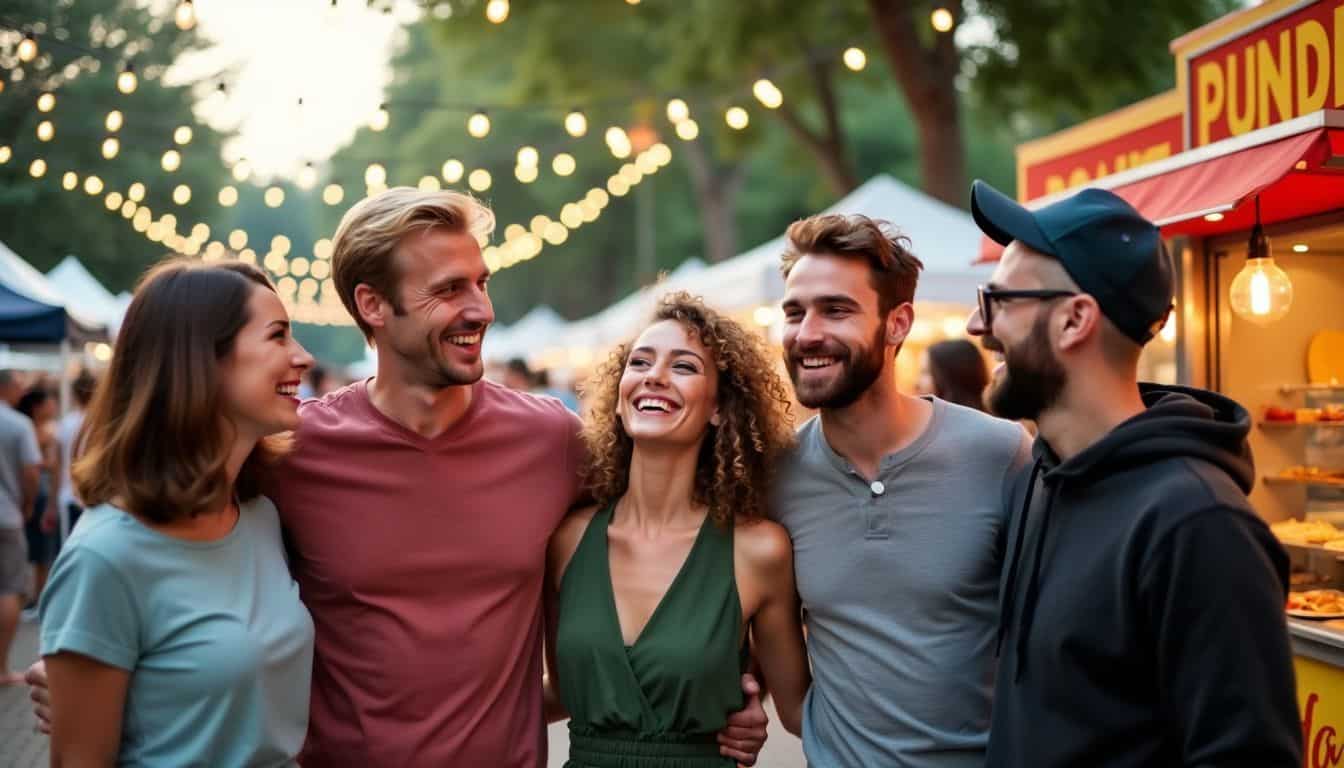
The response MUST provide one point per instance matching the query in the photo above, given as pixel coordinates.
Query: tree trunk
(716, 193)
(927, 76)
(828, 145)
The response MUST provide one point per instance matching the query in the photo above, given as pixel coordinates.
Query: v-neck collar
(657, 609)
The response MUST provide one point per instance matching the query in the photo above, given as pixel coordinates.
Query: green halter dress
(660, 702)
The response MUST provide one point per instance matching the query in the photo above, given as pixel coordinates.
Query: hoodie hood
(1178, 421)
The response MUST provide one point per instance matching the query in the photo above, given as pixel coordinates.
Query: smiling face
(261, 372)
(835, 339)
(1029, 376)
(669, 388)
(436, 327)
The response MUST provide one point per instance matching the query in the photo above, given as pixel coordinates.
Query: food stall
(1242, 166)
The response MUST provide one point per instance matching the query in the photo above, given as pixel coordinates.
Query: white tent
(535, 330)
(946, 239)
(78, 287)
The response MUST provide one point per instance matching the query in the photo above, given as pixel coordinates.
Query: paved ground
(20, 747)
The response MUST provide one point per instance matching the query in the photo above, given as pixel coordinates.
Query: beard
(859, 368)
(428, 364)
(1032, 378)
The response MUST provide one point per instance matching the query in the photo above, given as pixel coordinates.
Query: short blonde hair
(367, 238)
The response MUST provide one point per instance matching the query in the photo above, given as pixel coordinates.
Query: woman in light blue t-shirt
(172, 632)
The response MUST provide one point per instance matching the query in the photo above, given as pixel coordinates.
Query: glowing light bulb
(576, 124)
(497, 11)
(274, 197)
(333, 194)
(27, 48)
(452, 171)
(677, 110)
(5, 154)
(127, 81)
(46, 102)
(1261, 292)
(237, 239)
(307, 177)
(114, 121)
(941, 19)
(69, 180)
(526, 173)
(737, 118)
(111, 147)
(478, 125)
(45, 130)
(172, 160)
(528, 156)
(185, 16)
(688, 129)
(241, 170)
(563, 164)
(137, 192)
(183, 134)
(479, 180)
(375, 175)
(767, 93)
(93, 185)
(182, 194)
(855, 58)
(380, 119)
(429, 184)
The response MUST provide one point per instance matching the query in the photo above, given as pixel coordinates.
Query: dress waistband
(629, 751)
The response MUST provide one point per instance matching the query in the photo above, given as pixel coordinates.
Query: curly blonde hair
(738, 457)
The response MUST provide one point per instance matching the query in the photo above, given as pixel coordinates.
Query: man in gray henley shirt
(895, 506)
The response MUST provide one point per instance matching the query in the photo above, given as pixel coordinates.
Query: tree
(83, 47)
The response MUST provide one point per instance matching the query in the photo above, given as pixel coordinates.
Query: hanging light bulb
(69, 180)
(241, 170)
(942, 20)
(1261, 292)
(375, 175)
(307, 176)
(136, 193)
(855, 58)
(185, 15)
(576, 124)
(182, 194)
(127, 81)
(46, 102)
(478, 125)
(27, 47)
(93, 185)
(563, 164)
(333, 194)
(453, 170)
(526, 173)
(479, 180)
(274, 197)
(228, 197)
(37, 168)
(528, 156)
(114, 121)
(677, 110)
(380, 119)
(172, 160)
(111, 147)
(737, 118)
(182, 135)
(497, 11)
(688, 129)
(767, 93)
(45, 130)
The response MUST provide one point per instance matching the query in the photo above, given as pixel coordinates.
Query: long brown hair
(737, 458)
(153, 440)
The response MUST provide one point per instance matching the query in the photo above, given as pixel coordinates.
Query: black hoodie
(1151, 632)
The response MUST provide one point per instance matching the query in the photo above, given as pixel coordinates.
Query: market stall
(1242, 165)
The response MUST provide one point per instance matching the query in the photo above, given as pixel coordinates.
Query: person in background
(1141, 619)
(544, 386)
(954, 370)
(20, 466)
(518, 376)
(42, 526)
(315, 383)
(895, 506)
(652, 592)
(172, 632)
(67, 432)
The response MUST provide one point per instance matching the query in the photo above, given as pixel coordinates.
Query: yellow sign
(1320, 700)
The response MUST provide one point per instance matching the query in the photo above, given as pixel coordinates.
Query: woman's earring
(714, 420)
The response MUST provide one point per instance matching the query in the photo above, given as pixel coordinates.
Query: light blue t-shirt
(899, 579)
(219, 648)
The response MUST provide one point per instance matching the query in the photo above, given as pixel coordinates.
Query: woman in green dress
(657, 592)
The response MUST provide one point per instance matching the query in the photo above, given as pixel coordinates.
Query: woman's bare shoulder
(765, 544)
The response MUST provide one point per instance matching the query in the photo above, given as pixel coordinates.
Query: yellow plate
(1325, 358)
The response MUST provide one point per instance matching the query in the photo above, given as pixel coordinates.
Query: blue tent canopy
(32, 312)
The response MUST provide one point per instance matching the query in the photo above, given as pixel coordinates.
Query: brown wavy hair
(153, 441)
(738, 457)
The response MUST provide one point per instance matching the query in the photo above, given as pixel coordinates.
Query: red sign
(1291, 66)
(1141, 146)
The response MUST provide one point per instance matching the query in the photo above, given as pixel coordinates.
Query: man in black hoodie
(1142, 599)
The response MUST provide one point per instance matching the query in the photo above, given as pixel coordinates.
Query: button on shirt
(898, 576)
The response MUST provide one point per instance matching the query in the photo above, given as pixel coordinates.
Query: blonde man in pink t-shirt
(417, 507)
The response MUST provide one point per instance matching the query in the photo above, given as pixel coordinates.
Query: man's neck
(881, 422)
(427, 411)
(1081, 418)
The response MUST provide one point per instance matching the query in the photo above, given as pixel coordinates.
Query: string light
(563, 164)
(127, 81)
(113, 201)
(70, 180)
(375, 175)
(526, 173)
(241, 170)
(111, 146)
(114, 121)
(27, 47)
(228, 197)
(737, 118)
(45, 130)
(855, 59)
(576, 124)
(688, 129)
(571, 216)
(333, 194)
(479, 180)
(618, 142)
(677, 110)
(5, 154)
(528, 156)
(941, 19)
(237, 239)
(429, 184)
(280, 245)
(136, 192)
(307, 178)
(274, 197)
(478, 125)
(182, 135)
(185, 15)
(172, 160)
(93, 185)
(128, 209)
(46, 102)
(767, 93)
(380, 119)
(200, 232)
(497, 11)
(452, 171)
(182, 194)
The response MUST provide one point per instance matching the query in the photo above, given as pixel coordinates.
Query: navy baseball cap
(1109, 249)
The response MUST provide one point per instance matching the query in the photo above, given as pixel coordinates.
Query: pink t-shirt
(421, 561)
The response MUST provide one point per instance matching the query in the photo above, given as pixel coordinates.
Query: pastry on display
(1307, 532)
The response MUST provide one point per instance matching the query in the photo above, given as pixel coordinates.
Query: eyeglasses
(987, 297)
